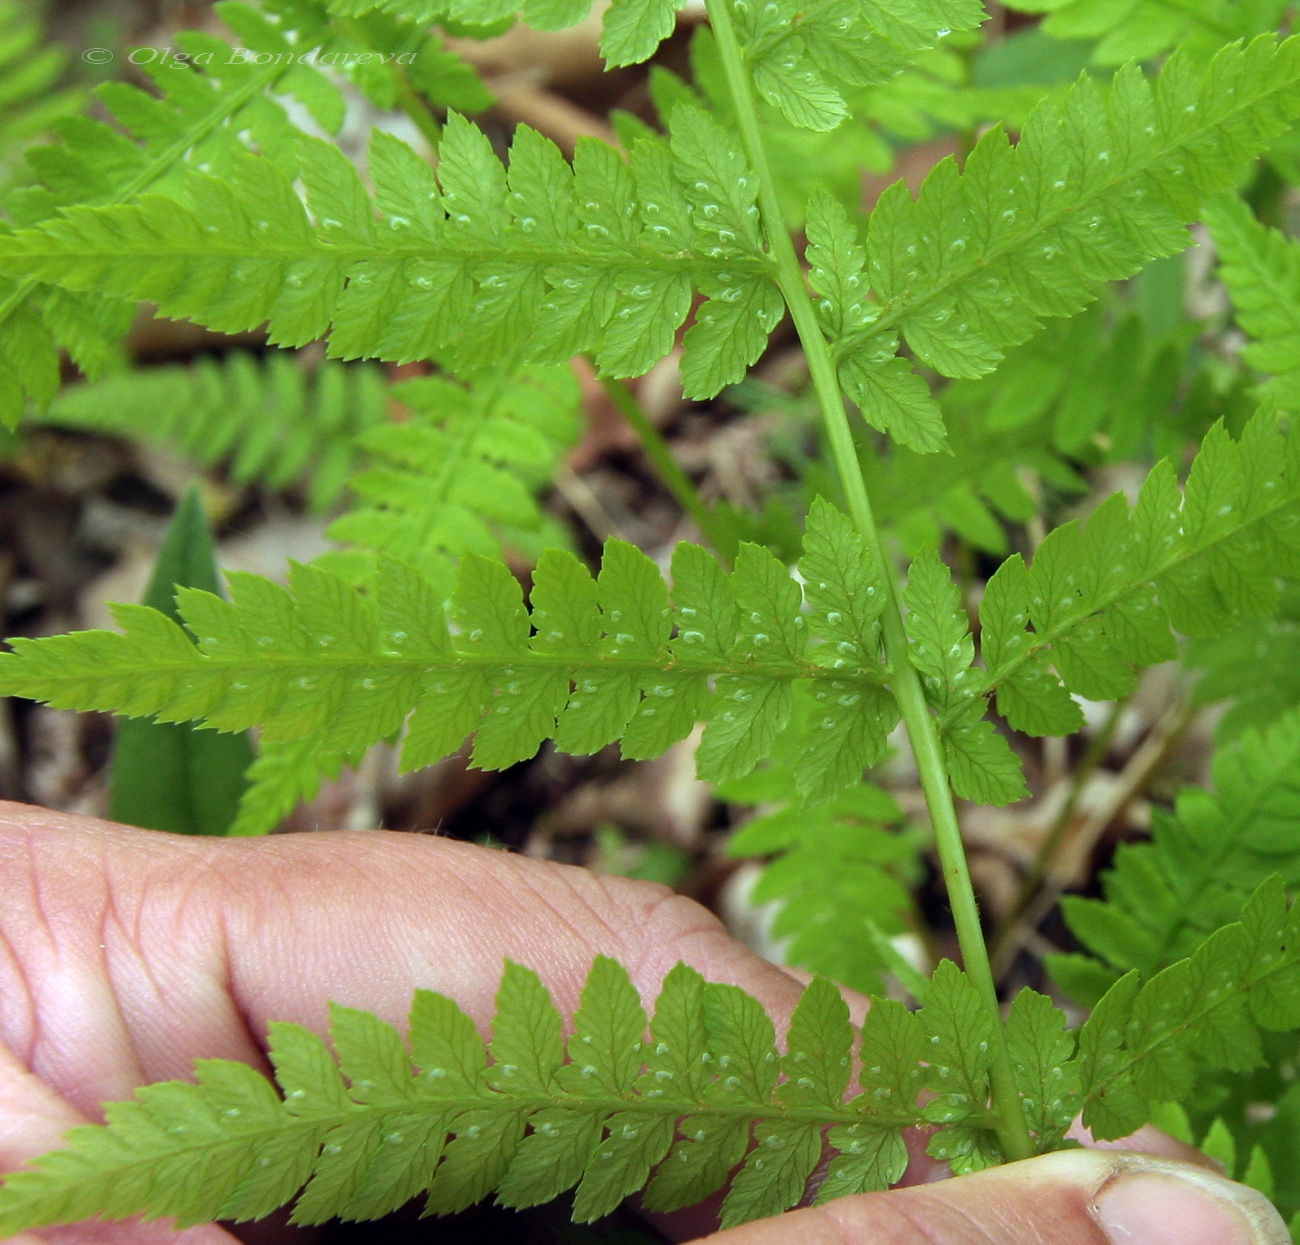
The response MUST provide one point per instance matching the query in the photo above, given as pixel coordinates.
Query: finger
(134, 952)
(1077, 1197)
(364, 918)
(1147, 1140)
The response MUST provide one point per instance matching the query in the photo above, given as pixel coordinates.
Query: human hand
(125, 955)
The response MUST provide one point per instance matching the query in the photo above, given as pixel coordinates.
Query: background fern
(202, 116)
(841, 872)
(499, 271)
(274, 423)
(1142, 29)
(462, 475)
(33, 92)
(1166, 896)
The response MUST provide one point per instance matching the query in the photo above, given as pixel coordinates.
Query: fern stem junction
(1013, 1132)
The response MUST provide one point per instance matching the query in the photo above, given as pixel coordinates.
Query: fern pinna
(611, 658)
(535, 1114)
(500, 271)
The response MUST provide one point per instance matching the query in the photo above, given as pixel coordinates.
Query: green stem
(1009, 1120)
(666, 466)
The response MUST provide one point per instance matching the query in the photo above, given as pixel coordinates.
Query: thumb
(1076, 1197)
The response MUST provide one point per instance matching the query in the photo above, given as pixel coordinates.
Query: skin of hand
(125, 955)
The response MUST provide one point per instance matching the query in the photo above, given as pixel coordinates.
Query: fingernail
(1155, 1203)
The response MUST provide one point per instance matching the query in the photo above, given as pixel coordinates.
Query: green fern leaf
(1261, 269)
(32, 84)
(805, 58)
(1105, 597)
(207, 115)
(1096, 186)
(360, 1137)
(361, 1130)
(873, 1155)
(284, 775)
(1255, 668)
(633, 29)
(1163, 898)
(890, 397)
(274, 424)
(385, 55)
(468, 281)
(462, 474)
(323, 656)
(1047, 1073)
(836, 869)
(981, 765)
(960, 1056)
(1146, 1043)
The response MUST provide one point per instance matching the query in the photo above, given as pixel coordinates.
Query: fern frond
(632, 29)
(1097, 185)
(1144, 29)
(463, 473)
(358, 1132)
(1102, 600)
(272, 422)
(1145, 1044)
(594, 662)
(839, 869)
(1164, 897)
(30, 93)
(805, 57)
(602, 1111)
(1255, 669)
(1261, 268)
(202, 116)
(542, 261)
